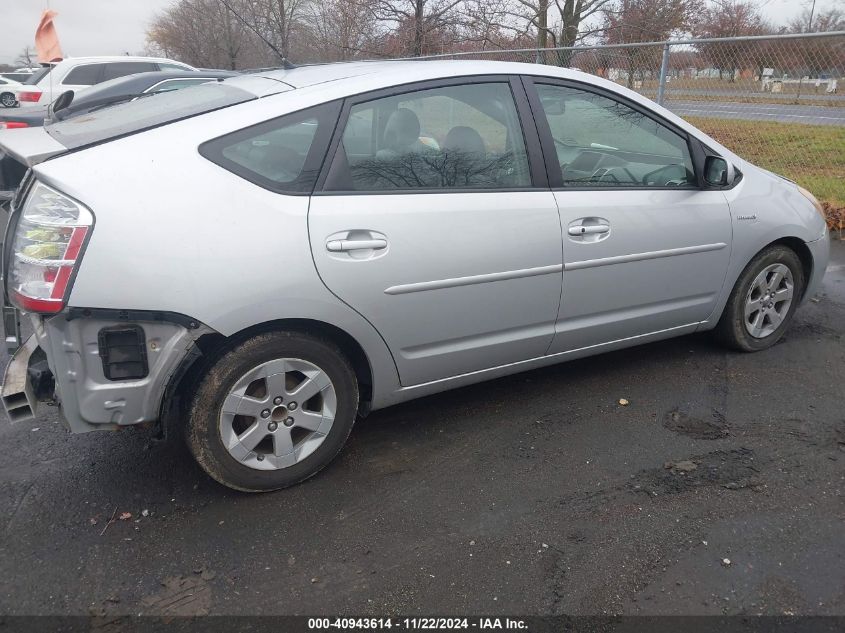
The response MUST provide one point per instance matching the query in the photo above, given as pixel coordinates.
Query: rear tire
(8, 100)
(273, 411)
(763, 301)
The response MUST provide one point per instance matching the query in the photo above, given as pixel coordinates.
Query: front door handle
(343, 246)
(589, 229)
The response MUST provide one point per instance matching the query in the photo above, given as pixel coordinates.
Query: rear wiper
(97, 104)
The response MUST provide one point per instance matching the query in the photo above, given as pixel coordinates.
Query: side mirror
(718, 172)
(553, 107)
(61, 102)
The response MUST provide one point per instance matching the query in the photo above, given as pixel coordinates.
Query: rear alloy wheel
(8, 100)
(273, 411)
(763, 300)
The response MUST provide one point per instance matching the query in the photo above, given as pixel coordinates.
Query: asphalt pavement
(806, 114)
(717, 489)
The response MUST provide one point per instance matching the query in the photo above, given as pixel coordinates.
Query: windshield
(143, 114)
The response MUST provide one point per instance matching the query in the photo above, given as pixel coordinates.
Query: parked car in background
(261, 260)
(79, 73)
(110, 93)
(9, 89)
(20, 77)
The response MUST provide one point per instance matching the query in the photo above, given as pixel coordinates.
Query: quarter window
(283, 154)
(601, 142)
(464, 136)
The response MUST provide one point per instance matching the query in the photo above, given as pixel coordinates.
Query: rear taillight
(12, 125)
(46, 248)
(31, 96)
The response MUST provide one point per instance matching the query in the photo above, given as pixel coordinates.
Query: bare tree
(566, 28)
(25, 57)
(633, 21)
(815, 56)
(341, 29)
(272, 21)
(808, 21)
(731, 18)
(204, 33)
(494, 24)
(423, 18)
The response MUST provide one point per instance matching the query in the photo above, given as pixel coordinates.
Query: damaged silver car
(257, 262)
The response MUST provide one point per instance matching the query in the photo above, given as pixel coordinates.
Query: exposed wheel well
(212, 346)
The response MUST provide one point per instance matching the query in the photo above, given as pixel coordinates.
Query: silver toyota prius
(259, 261)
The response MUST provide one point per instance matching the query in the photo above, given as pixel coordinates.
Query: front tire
(763, 301)
(273, 411)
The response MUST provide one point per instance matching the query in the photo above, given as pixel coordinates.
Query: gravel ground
(717, 490)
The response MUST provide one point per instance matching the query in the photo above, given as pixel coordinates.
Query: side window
(86, 75)
(601, 142)
(121, 69)
(465, 136)
(283, 154)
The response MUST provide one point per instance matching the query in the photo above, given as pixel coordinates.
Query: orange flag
(47, 40)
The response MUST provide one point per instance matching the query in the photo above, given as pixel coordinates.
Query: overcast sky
(114, 27)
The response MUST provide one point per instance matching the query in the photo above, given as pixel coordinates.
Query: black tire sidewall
(202, 429)
(733, 321)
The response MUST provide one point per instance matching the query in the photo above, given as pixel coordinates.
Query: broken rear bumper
(89, 399)
(17, 393)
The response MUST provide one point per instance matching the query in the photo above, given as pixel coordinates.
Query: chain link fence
(778, 101)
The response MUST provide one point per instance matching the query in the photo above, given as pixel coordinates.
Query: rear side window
(121, 69)
(283, 155)
(86, 75)
(452, 137)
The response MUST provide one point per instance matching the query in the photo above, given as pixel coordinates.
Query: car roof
(406, 71)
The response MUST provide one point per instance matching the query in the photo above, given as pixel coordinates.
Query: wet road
(534, 494)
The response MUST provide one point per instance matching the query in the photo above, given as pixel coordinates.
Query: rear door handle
(589, 229)
(342, 246)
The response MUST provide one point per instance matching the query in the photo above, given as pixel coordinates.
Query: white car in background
(9, 89)
(78, 73)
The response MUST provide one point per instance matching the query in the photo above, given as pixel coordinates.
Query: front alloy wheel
(768, 300)
(272, 411)
(763, 301)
